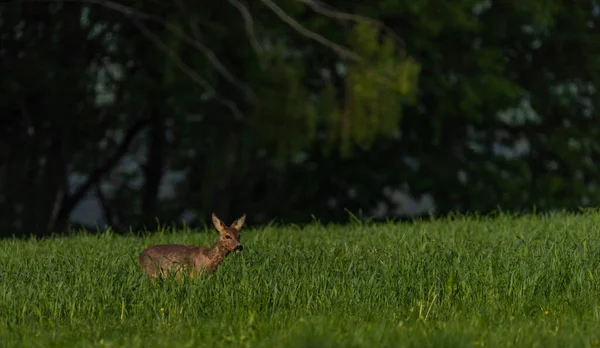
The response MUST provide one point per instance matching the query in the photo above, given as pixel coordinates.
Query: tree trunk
(224, 194)
(153, 171)
(57, 178)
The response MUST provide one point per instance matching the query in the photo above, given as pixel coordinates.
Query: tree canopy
(293, 108)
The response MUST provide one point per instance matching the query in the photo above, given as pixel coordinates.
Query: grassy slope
(503, 282)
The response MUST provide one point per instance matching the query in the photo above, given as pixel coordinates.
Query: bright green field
(518, 282)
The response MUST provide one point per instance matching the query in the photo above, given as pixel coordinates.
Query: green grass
(503, 282)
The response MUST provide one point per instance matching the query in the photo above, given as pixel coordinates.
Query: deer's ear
(237, 224)
(219, 225)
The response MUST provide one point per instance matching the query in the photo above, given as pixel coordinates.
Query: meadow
(530, 281)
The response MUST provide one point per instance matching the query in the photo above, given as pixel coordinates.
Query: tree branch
(334, 13)
(340, 50)
(249, 22)
(212, 57)
(69, 203)
(106, 210)
(193, 27)
(186, 68)
(136, 16)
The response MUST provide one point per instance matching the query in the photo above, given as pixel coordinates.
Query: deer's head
(229, 237)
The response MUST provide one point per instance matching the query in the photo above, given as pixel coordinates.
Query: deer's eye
(228, 236)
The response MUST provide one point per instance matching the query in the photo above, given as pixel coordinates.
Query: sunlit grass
(520, 282)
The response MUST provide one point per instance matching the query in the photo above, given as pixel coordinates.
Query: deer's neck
(217, 253)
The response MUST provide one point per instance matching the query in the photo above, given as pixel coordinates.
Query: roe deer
(194, 259)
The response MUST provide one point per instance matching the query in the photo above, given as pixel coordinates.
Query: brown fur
(169, 258)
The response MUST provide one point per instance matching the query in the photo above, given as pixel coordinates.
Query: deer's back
(165, 256)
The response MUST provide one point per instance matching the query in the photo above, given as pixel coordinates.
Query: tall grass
(520, 282)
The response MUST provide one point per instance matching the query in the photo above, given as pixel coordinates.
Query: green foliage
(328, 106)
(285, 121)
(366, 107)
(375, 89)
(498, 282)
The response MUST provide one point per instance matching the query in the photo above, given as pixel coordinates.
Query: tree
(503, 117)
(291, 108)
(151, 64)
